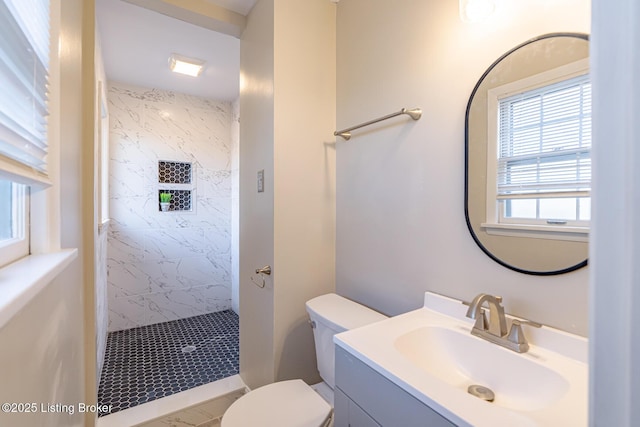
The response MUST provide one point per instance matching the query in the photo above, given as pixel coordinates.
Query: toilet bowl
(293, 403)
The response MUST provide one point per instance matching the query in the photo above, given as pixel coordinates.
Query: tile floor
(150, 362)
(208, 414)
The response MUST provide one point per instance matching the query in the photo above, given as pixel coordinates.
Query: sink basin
(431, 354)
(461, 359)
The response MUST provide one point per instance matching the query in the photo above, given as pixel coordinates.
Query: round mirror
(527, 156)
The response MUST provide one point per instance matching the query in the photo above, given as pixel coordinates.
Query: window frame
(29, 177)
(18, 246)
(495, 222)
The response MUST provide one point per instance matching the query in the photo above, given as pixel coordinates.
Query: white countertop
(376, 345)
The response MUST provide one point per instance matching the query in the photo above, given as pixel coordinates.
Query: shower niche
(175, 186)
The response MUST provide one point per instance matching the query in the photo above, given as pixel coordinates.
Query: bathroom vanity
(364, 398)
(415, 370)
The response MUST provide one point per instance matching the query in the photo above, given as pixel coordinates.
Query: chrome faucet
(497, 320)
(496, 330)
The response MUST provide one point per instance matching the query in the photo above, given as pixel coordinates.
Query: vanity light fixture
(476, 10)
(183, 65)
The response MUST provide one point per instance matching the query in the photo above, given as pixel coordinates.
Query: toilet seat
(282, 404)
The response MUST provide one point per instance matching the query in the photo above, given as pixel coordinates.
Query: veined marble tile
(206, 213)
(128, 279)
(130, 145)
(132, 212)
(188, 272)
(163, 96)
(171, 120)
(126, 178)
(215, 297)
(220, 267)
(166, 255)
(162, 244)
(125, 112)
(181, 303)
(102, 298)
(194, 130)
(173, 305)
(124, 245)
(156, 147)
(219, 240)
(126, 313)
(219, 157)
(214, 183)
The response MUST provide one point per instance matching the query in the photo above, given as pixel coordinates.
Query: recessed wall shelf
(180, 199)
(174, 172)
(176, 178)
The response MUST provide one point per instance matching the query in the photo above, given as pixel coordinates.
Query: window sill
(22, 280)
(573, 234)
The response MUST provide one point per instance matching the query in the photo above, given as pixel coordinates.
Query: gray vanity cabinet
(364, 398)
(348, 413)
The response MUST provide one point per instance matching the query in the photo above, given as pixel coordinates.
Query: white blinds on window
(24, 64)
(545, 141)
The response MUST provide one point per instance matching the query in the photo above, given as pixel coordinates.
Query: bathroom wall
(235, 207)
(287, 103)
(167, 265)
(47, 350)
(102, 309)
(304, 176)
(257, 209)
(400, 188)
(614, 344)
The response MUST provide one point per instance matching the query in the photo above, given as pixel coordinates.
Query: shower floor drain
(188, 348)
(481, 392)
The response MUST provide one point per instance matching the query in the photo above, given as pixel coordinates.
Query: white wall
(167, 265)
(400, 188)
(41, 356)
(256, 209)
(102, 309)
(614, 342)
(304, 175)
(235, 207)
(48, 350)
(287, 107)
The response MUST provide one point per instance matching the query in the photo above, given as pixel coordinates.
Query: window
(539, 166)
(24, 65)
(14, 233)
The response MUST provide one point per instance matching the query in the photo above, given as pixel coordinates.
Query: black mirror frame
(466, 162)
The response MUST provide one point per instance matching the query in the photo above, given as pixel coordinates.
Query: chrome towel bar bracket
(415, 114)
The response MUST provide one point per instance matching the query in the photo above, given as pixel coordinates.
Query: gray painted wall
(400, 186)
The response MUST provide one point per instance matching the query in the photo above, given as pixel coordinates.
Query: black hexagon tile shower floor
(150, 362)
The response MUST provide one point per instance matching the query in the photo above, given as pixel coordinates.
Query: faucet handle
(516, 335)
(481, 321)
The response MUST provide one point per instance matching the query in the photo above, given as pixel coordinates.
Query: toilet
(293, 403)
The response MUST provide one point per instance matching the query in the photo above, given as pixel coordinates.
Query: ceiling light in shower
(476, 10)
(183, 65)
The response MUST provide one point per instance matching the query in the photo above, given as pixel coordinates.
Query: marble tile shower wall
(167, 265)
(102, 312)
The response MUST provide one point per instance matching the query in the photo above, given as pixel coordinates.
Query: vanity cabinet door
(348, 414)
(377, 398)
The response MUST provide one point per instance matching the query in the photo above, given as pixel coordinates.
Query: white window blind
(545, 142)
(24, 64)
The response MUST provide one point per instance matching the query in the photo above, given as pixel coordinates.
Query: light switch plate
(261, 181)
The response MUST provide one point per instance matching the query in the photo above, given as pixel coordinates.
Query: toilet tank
(331, 314)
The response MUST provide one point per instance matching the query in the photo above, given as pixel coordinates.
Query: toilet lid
(282, 404)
